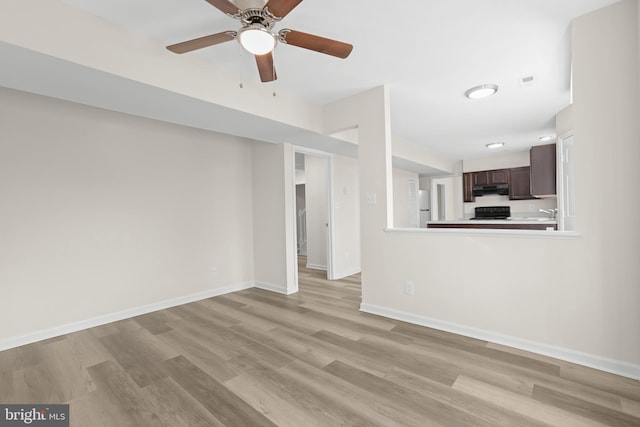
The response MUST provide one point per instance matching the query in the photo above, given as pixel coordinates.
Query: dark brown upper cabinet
(492, 177)
(498, 176)
(467, 185)
(480, 178)
(520, 183)
(543, 170)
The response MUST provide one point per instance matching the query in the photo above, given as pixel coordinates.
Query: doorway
(313, 214)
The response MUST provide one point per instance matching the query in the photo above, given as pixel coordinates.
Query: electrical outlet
(408, 288)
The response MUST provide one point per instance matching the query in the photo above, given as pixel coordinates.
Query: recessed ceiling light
(546, 138)
(495, 145)
(481, 91)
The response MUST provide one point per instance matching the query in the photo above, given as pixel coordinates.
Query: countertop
(511, 220)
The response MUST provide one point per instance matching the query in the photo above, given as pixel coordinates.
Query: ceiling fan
(258, 17)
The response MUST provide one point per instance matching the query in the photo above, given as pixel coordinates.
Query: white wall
(102, 212)
(510, 159)
(273, 217)
(452, 197)
(401, 197)
(315, 172)
(346, 217)
(575, 299)
(405, 150)
(564, 121)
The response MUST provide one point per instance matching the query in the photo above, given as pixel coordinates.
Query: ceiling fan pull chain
(241, 68)
(274, 82)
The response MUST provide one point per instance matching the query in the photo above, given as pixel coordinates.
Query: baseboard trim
(613, 366)
(68, 328)
(271, 287)
(347, 273)
(317, 267)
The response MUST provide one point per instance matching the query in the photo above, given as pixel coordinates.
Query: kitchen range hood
(481, 190)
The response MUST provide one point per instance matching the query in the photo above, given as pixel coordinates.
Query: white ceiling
(428, 53)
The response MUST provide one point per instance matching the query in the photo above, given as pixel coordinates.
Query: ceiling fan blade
(317, 43)
(266, 68)
(224, 5)
(201, 42)
(281, 8)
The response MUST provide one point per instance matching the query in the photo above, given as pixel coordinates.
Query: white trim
(347, 273)
(561, 186)
(311, 151)
(274, 288)
(316, 267)
(331, 236)
(479, 232)
(68, 328)
(330, 206)
(617, 367)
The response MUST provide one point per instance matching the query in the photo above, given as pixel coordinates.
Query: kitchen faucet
(551, 212)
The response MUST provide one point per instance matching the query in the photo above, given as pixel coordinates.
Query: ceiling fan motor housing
(257, 16)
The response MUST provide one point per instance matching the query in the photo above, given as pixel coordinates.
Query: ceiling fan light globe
(256, 40)
(249, 4)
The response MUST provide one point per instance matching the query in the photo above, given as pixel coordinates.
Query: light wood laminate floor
(254, 358)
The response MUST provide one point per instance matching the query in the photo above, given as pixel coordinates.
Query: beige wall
(274, 217)
(346, 217)
(102, 212)
(401, 197)
(564, 121)
(452, 186)
(497, 161)
(315, 172)
(405, 150)
(575, 299)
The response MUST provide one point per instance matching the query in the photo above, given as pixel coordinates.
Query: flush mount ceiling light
(256, 39)
(495, 145)
(546, 138)
(481, 91)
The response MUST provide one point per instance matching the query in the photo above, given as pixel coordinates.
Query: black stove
(492, 212)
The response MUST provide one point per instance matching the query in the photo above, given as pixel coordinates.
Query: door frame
(330, 214)
(565, 190)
